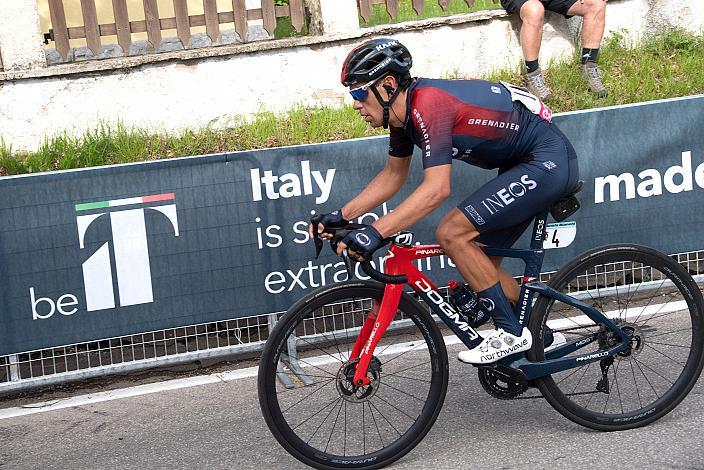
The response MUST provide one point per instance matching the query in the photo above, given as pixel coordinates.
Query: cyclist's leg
(496, 214)
(508, 283)
(456, 235)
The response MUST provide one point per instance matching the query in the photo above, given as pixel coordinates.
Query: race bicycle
(354, 374)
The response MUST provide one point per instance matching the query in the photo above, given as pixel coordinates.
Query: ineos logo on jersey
(506, 196)
(362, 239)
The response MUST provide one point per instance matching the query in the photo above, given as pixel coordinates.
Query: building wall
(220, 86)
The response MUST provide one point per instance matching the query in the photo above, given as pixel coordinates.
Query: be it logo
(131, 254)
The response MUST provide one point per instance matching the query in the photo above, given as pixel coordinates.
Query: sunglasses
(361, 93)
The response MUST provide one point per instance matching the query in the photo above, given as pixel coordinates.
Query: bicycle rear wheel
(657, 303)
(305, 389)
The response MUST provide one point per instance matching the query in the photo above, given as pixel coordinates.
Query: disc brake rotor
(353, 393)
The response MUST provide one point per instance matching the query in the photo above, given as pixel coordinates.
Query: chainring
(499, 386)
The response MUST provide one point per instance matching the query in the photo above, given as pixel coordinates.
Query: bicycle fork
(378, 320)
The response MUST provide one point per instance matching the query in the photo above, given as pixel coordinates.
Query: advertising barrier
(104, 252)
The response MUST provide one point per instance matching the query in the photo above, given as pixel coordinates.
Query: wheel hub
(636, 342)
(345, 381)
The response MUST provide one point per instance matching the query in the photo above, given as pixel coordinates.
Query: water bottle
(466, 301)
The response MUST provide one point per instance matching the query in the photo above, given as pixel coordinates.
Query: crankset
(499, 384)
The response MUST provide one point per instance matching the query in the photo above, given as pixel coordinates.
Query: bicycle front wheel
(305, 388)
(657, 303)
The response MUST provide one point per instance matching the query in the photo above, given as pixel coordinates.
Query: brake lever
(316, 236)
(349, 264)
(318, 243)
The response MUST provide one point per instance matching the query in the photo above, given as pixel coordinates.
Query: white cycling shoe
(497, 345)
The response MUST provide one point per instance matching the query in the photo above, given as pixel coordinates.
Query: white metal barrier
(233, 339)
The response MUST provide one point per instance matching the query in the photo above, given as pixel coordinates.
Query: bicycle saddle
(566, 205)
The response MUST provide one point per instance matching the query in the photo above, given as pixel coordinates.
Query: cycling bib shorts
(558, 6)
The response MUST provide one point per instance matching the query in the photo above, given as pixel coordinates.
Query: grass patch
(665, 66)
(431, 9)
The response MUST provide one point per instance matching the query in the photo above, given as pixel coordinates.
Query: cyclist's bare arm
(434, 189)
(380, 189)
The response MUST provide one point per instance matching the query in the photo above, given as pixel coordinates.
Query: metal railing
(236, 338)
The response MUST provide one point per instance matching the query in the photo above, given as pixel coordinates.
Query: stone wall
(220, 86)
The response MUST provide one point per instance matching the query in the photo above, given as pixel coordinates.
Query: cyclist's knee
(455, 228)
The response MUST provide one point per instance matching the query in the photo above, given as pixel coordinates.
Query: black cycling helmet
(375, 58)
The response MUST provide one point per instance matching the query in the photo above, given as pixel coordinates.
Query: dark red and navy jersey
(475, 121)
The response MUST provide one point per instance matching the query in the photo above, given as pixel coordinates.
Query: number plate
(559, 235)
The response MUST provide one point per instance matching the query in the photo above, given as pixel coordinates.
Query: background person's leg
(532, 15)
(593, 13)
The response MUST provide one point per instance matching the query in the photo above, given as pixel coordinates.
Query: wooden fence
(153, 24)
(365, 6)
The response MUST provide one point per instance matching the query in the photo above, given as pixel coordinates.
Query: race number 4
(559, 235)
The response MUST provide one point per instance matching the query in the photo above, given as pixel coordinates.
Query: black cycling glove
(331, 220)
(363, 241)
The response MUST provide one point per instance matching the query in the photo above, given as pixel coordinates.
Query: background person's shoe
(536, 84)
(497, 345)
(593, 75)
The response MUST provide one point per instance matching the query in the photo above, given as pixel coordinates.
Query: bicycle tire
(658, 302)
(417, 342)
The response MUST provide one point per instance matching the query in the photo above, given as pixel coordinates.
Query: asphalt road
(219, 426)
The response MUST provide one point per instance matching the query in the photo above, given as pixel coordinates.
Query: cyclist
(485, 124)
